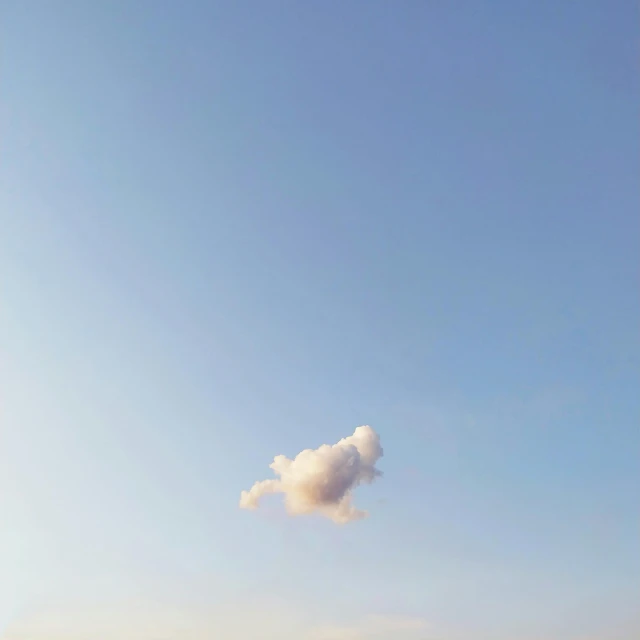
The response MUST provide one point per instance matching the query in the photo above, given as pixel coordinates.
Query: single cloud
(322, 480)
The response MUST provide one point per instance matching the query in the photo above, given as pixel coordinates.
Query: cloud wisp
(322, 480)
(374, 627)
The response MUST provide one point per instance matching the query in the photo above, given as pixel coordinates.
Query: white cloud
(322, 480)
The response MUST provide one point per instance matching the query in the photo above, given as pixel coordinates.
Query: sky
(237, 230)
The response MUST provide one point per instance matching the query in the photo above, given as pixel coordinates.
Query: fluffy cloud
(322, 480)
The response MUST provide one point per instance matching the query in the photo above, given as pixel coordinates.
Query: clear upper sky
(231, 230)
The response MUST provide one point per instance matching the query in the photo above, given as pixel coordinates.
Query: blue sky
(234, 230)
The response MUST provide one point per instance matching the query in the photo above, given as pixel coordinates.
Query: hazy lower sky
(233, 230)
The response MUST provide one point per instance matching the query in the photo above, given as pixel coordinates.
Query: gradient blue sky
(237, 229)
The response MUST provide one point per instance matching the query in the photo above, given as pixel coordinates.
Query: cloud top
(322, 480)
